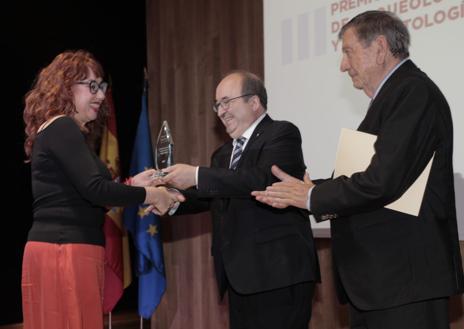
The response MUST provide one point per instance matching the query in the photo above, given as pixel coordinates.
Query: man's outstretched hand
(290, 191)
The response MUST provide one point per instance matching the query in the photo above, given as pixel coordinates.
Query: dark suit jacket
(386, 258)
(255, 247)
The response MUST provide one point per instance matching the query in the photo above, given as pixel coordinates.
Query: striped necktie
(238, 149)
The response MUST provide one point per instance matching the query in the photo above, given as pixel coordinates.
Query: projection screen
(306, 87)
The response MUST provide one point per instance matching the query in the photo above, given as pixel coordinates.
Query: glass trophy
(164, 150)
(164, 157)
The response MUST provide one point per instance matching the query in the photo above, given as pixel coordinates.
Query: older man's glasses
(225, 103)
(94, 86)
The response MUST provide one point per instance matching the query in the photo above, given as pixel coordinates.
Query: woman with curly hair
(62, 276)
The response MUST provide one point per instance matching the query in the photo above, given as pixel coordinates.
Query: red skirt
(62, 286)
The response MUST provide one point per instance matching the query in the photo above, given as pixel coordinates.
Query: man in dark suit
(264, 257)
(395, 270)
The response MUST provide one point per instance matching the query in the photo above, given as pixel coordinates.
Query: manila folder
(354, 154)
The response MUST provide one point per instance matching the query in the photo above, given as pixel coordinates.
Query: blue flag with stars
(145, 228)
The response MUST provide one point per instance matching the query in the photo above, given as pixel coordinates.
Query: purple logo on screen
(304, 36)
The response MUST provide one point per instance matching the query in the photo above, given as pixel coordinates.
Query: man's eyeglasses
(225, 103)
(94, 86)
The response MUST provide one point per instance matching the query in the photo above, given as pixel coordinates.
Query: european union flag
(145, 228)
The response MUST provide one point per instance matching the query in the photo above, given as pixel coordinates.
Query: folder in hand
(354, 154)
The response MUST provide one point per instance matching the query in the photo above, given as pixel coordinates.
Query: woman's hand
(145, 178)
(161, 199)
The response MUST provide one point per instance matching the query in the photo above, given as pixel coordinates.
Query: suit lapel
(371, 120)
(405, 68)
(225, 155)
(256, 136)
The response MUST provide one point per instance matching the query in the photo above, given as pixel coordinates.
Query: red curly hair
(51, 94)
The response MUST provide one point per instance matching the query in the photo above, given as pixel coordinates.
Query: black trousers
(429, 314)
(285, 308)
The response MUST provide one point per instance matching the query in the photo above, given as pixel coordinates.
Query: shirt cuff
(196, 176)
(308, 203)
(174, 208)
(176, 205)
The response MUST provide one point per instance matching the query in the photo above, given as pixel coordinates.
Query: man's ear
(382, 49)
(255, 102)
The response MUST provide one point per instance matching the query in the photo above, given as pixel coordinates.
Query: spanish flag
(117, 259)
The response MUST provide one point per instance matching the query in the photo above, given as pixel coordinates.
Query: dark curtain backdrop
(32, 33)
(190, 46)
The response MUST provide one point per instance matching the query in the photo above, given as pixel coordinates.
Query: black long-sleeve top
(71, 187)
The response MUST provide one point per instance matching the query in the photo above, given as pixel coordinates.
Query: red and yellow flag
(117, 259)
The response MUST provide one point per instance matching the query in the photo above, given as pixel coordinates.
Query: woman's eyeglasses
(94, 86)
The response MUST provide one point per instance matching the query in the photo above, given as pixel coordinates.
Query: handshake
(162, 187)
